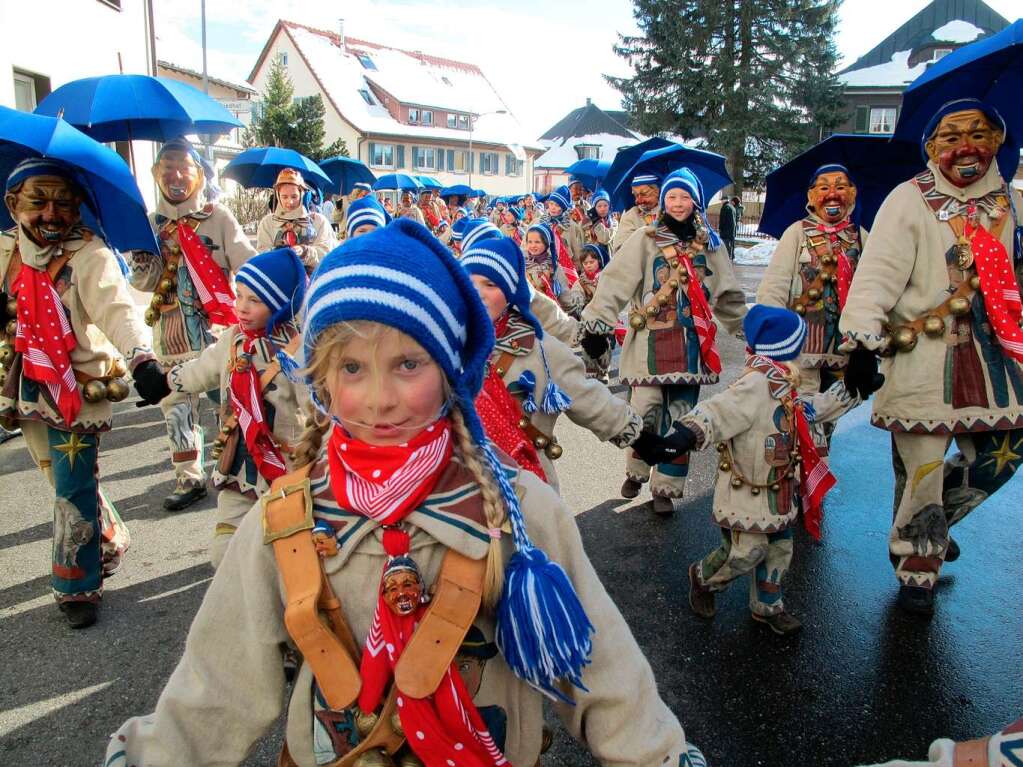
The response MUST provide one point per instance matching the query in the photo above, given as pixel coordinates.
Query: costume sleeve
(776, 285)
(313, 252)
(727, 299)
(621, 719)
(728, 413)
(831, 404)
(628, 224)
(883, 270)
(228, 687)
(552, 317)
(110, 307)
(618, 285)
(237, 248)
(593, 406)
(145, 267)
(203, 372)
(603, 234)
(265, 234)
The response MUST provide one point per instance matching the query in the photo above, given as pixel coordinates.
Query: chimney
(341, 34)
(588, 102)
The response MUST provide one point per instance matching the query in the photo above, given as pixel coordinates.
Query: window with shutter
(401, 156)
(862, 119)
(451, 160)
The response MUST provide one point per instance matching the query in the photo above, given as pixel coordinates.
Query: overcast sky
(518, 45)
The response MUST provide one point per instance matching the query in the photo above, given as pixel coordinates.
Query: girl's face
(252, 313)
(602, 208)
(554, 209)
(590, 264)
(492, 295)
(290, 196)
(507, 217)
(386, 388)
(678, 204)
(535, 245)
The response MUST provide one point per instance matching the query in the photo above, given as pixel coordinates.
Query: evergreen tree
(754, 78)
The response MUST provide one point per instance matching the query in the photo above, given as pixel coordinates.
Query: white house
(406, 111)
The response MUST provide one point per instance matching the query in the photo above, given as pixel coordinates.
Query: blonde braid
(308, 447)
(493, 505)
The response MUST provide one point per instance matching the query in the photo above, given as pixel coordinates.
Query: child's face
(535, 245)
(508, 217)
(290, 196)
(386, 388)
(363, 229)
(492, 295)
(678, 204)
(591, 264)
(554, 209)
(252, 313)
(602, 208)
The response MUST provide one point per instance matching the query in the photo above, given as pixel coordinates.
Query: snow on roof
(895, 72)
(957, 31)
(561, 152)
(411, 78)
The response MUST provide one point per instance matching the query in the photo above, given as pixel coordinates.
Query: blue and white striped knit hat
(477, 230)
(278, 277)
(774, 332)
(600, 194)
(366, 210)
(645, 179)
(547, 235)
(562, 196)
(403, 277)
(458, 228)
(363, 186)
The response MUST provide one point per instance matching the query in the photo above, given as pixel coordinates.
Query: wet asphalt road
(863, 683)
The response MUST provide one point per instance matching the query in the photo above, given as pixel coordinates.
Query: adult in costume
(936, 294)
(670, 275)
(202, 245)
(292, 225)
(407, 208)
(646, 190)
(71, 332)
(433, 212)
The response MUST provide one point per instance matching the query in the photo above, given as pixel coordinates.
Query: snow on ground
(759, 255)
(957, 31)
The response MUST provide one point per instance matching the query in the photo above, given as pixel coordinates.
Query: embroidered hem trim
(997, 422)
(669, 378)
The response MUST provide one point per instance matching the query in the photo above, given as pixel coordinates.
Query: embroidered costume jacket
(283, 402)
(631, 220)
(960, 381)
(103, 317)
(312, 231)
(226, 691)
(754, 419)
(183, 330)
(666, 350)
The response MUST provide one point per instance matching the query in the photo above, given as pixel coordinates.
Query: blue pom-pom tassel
(555, 400)
(528, 383)
(288, 365)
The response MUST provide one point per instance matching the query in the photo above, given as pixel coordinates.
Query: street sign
(236, 105)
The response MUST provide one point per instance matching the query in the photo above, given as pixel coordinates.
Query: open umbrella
(345, 173)
(429, 183)
(458, 189)
(399, 181)
(126, 107)
(627, 157)
(258, 168)
(113, 199)
(589, 171)
(990, 70)
(877, 165)
(709, 167)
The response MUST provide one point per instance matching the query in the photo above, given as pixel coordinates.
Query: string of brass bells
(549, 445)
(7, 352)
(904, 337)
(811, 299)
(638, 317)
(727, 464)
(165, 295)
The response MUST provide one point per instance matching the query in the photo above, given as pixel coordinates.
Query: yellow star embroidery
(1004, 456)
(74, 445)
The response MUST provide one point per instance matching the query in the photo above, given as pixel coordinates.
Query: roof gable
(589, 120)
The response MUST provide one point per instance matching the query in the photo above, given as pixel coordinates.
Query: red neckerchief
(247, 404)
(212, 286)
(998, 287)
(564, 257)
(703, 317)
(442, 729)
(387, 482)
(45, 340)
(500, 413)
(845, 270)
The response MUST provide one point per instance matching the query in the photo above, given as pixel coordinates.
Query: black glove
(592, 213)
(151, 382)
(594, 344)
(861, 376)
(654, 449)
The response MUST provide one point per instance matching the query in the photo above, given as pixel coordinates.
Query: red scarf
(247, 403)
(387, 482)
(210, 283)
(845, 270)
(998, 287)
(564, 257)
(46, 340)
(703, 317)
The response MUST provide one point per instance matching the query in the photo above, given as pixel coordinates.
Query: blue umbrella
(400, 181)
(709, 167)
(876, 164)
(479, 193)
(258, 168)
(589, 171)
(628, 157)
(345, 173)
(429, 183)
(990, 70)
(113, 202)
(458, 189)
(125, 107)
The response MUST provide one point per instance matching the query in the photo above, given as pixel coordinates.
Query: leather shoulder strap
(287, 525)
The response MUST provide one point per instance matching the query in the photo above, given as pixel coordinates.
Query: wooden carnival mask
(402, 586)
(963, 146)
(178, 175)
(46, 207)
(832, 197)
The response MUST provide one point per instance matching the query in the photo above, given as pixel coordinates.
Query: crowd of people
(389, 532)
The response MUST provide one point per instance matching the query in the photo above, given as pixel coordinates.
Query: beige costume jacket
(631, 220)
(313, 233)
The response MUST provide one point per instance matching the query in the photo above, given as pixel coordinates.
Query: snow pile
(895, 72)
(957, 31)
(759, 255)
(561, 155)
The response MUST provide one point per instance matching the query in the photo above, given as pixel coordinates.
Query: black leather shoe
(663, 506)
(916, 600)
(80, 615)
(952, 552)
(631, 488)
(184, 496)
(783, 623)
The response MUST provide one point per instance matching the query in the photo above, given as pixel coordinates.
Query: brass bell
(117, 389)
(364, 722)
(975, 282)
(725, 466)
(934, 325)
(410, 760)
(775, 487)
(720, 447)
(117, 368)
(652, 311)
(554, 451)
(814, 293)
(3, 377)
(904, 338)
(12, 328)
(523, 422)
(216, 451)
(959, 306)
(800, 308)
(736, 482)
(662, 300)
(6, 354)
(157, 300)
(637, 321)
(12, 307)
(673, 283)
(396, 724)
(541, 442)
(374, 758)
(225, 429)
(167, 285)
(754, 490)
(683, 279)
(827, 260)
(151, 316)
(94, 390)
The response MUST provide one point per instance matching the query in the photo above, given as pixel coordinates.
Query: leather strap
(972, 753)
(503, 365)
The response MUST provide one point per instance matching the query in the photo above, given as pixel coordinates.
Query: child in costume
(511, 224)
(763, 431)
(365, 215)
(260, 412)
(410, 506)
(549, 269)
(595, 258)
(564, 226)
(531, 380)
(599, 225)
(293, 225)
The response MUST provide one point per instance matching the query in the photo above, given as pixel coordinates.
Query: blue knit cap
(278, 277)
(477, 230)
(458, 228)
(401, 276)
(599, 251)
(40, 166)
(366, 210)
(562, 196)
(774, 332)
(832, 167)
(600, 194)
(645, 179)
(182, 144)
